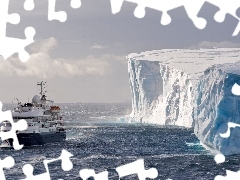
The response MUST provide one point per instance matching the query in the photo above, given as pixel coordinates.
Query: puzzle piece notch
(7, 162)
(75, 4)
(87, 173)
(138, 168)
(53, 15)
(193, 8)
(16, 126)
(219, 158)
(116, 6)
(29, 5)
(66, 166)
(230, 125)
(226, 7)
(60, 15)
(14, 18)
(236, 89)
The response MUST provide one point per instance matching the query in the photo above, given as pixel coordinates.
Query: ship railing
(33, 125)
(58, 120)
(29, 131)
(17, 109)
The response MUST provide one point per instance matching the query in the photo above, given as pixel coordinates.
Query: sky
(84, 58)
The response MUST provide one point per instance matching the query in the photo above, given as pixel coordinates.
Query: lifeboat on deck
(55, 109)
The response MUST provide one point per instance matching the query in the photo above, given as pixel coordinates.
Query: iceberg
(190, 88)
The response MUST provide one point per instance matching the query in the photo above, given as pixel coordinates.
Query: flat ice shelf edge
(190, 88)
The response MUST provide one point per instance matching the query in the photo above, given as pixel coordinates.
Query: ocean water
(100, 139)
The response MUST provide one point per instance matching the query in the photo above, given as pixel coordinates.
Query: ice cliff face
(190, 88)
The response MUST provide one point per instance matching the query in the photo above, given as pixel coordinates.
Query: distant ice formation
(190, 88)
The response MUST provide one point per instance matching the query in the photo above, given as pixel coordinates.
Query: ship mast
(42, 87)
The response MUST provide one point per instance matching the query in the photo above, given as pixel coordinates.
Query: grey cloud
(221, 44)
(96, 46)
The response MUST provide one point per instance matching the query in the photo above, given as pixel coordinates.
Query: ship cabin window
(39, 105)
(28, 105)
(23, 117)
(47, 112)
(8, 124)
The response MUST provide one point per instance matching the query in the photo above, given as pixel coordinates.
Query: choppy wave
(99, 138)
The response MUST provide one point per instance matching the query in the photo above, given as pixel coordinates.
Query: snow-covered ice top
(193, 61)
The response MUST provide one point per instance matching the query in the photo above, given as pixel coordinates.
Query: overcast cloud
(42, 65)
(83, 59)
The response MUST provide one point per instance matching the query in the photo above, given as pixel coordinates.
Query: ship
(45, 123)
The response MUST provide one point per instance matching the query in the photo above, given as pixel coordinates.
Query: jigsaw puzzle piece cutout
(16, 126)
(162, 5)
(53, 15)
(227, 7)
(237, 30)
(28, 171)
(138, 168)
(140, 11)
(236, 89)
(230, 175)
(8, 162)
(116, 6)
(66, 166)
(87, 173)
(14, 18)
(75, 4)
(60, 15)
(9, 46)
(230, 125)
(6, 18)
(219, 158)
(193, 8)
